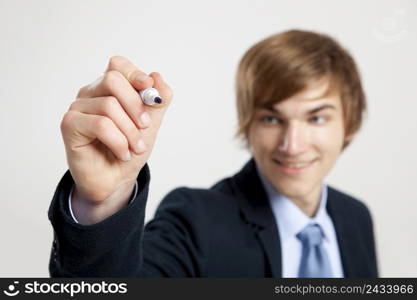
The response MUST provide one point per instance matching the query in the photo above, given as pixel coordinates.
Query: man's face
(296, 142)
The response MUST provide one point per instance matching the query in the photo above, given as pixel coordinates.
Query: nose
(293, 140)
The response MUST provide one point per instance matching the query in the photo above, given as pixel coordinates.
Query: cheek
(329, 140)
(266, 140)
(263, 140)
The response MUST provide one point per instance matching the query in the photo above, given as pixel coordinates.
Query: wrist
(89, 212)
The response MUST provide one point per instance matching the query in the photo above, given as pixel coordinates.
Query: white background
(49, 49)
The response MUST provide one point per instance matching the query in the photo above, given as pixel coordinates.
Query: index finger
(138, 79)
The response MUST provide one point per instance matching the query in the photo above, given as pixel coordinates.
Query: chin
(291, 189)
(291, 192)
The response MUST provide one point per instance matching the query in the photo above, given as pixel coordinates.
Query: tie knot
(311, 235)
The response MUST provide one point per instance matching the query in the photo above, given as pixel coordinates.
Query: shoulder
(347, 204)
(216, 197)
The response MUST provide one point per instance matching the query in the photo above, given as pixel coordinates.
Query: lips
(294, 167)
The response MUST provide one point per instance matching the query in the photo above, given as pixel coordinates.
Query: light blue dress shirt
(291, 220)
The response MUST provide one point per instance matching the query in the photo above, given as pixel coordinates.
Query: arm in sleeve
(109, 248)
(174, 244)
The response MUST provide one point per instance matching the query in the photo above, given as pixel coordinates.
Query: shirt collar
(290, 218)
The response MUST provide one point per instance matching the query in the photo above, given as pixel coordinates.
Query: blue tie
(314, 259)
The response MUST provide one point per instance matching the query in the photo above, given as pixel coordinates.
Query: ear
(349, 138)
(248, 145)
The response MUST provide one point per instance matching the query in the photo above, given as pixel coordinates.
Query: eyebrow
(310, 112)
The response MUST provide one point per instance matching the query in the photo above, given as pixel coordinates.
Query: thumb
(157, 112)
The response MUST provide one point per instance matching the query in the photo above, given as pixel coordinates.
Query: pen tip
(158, 100)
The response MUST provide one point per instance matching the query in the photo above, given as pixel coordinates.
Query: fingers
(164, 90)
(138, 79)
(97, 127)
(157, 112)
(111, 108)
(113, 83)
(121, 84)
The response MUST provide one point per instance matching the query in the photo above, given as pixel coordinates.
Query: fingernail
(127, 156)
(140, 147)
(145, 119)
(142, 78)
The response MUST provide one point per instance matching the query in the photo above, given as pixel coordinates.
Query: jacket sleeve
(120, 246)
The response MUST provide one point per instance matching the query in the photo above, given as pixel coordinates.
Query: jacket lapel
(254, 204)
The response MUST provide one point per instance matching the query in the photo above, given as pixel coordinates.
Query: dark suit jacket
(225, 231)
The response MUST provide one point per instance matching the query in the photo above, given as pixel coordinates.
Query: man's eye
(270, 120)
(318, 120)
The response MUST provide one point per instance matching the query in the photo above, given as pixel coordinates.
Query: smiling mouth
(294, 166)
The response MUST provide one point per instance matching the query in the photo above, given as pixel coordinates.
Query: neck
(308, 204)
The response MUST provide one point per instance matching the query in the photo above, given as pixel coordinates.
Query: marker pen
(150, 96)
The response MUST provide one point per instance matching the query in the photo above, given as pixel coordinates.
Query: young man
(299, 102)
